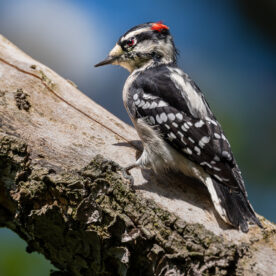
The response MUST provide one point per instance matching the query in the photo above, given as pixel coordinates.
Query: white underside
(160, 156)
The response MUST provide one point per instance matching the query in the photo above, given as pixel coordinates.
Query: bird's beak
(113, 56)
(108, 60)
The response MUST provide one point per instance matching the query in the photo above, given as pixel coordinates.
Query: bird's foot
(126, 174)
(130, 167)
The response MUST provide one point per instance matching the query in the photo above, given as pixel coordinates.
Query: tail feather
(236, 206)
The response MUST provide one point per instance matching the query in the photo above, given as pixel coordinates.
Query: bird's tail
(233, 206)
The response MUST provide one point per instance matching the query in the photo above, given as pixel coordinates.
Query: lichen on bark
(89, 222)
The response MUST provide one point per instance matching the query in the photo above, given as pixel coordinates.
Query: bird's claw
(126, 174)
(130, 167)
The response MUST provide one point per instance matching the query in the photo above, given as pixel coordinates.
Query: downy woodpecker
(175, 123)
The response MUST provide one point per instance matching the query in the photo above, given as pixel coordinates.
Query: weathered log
(63, 193)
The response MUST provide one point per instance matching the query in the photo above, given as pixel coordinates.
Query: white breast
(126, 88)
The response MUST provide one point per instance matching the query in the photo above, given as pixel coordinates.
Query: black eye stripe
(128, 43)
(150, 35)
(144, 36)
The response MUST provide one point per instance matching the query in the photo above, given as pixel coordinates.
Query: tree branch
(62, 192)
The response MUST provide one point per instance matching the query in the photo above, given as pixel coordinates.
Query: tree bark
(63, 193)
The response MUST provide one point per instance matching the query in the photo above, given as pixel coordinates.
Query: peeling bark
(63, 191)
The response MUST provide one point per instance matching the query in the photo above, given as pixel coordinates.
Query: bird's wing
(168, 100)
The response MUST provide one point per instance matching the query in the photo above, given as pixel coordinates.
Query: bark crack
(42, 79)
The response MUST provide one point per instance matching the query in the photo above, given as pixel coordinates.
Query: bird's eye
(130, 42)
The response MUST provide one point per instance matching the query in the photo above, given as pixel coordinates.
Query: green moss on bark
(89, 222)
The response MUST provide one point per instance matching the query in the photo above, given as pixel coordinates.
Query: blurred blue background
(227, 47)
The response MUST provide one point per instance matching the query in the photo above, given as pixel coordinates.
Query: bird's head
(144, 44)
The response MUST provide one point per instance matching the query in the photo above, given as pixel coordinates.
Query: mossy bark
(89, 222)
(63, 191)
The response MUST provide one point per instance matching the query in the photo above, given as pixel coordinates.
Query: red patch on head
(159, 26)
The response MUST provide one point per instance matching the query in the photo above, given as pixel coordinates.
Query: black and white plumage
(175, 123)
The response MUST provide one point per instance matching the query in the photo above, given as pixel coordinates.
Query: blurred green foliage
(15, 261)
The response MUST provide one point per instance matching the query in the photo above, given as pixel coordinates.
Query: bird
(177, 128)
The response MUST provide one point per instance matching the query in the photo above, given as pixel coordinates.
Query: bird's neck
(151, 63)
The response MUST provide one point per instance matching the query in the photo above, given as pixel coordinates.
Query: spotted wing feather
(194, 133)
